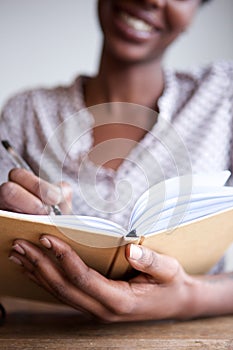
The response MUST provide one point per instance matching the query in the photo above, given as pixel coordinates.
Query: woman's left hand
(162, 289)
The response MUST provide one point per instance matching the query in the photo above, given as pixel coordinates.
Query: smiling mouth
(136, 23)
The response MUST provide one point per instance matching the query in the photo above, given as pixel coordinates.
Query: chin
(130, 54)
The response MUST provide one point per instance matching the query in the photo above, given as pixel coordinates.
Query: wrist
(190, 305)
(196, 298)
(209, 296)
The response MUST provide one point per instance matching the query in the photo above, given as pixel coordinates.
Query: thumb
(162, 268)
(66, 202)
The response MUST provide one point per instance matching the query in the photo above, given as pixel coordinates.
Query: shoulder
(211, 84)
(217, 75)
(39, 100)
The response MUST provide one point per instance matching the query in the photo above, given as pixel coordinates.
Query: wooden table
(39, 326)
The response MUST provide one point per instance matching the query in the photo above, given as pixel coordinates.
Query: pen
(132, 233)
(19, 162)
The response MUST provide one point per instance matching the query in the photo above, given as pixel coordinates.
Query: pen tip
(6, 144)
(132, 233)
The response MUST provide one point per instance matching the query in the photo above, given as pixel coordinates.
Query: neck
(116, 81)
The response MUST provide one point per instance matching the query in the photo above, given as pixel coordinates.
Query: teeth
(136, 23)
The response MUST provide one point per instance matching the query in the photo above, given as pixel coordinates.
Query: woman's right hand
(26, 193)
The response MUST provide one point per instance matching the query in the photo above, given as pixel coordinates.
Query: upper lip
(147, 16)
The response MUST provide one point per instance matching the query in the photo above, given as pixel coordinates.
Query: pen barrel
(18, 161)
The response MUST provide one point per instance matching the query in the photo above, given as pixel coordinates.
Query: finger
(15, 198)
(66, 202)
(19, 257)
(29, 271)
(53, 280)
(117, 296)
(46, 192)
(43, 284)
(162, 268)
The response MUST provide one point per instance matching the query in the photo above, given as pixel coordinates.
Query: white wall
(45, 42)
(209, 38)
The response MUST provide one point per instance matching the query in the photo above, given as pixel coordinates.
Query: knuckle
(38, 263)
(124, 308)
(176, 269)
(35, 263)
(33, 267)
(150, 260)
(82, 280)
(36, 187)
(59, 290)
(62, 254)
(8, 192)
(39, 207)
(175, 263)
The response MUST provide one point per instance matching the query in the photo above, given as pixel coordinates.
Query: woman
(198, 105)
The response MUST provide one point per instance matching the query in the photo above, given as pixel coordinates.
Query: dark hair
(203, 1)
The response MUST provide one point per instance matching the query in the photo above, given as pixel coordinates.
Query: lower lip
(130, 33)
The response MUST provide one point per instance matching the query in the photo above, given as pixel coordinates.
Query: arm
(162, 290)
(213, 295)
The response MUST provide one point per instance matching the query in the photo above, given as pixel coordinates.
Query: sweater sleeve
(12, 128)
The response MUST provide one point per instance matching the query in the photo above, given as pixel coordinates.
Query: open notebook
(188, 217)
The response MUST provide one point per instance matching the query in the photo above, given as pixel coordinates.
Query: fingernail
(46, 243)
(54, 195)
(18, 249)
(135, 252)
(15, 260)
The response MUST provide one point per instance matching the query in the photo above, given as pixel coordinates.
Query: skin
(162, 289)
(26, 193)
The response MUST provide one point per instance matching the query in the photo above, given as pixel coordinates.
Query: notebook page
(196, 200)
(176, 187)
